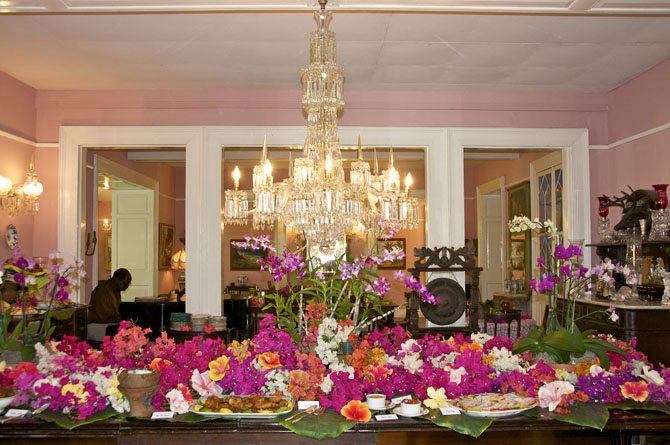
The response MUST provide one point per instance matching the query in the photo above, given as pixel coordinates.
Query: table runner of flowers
(80, 383)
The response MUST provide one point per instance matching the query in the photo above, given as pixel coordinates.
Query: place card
(16, 412)
(163, 415)
(450, 411)
(397, 400)
(304, 404)
(385, 417)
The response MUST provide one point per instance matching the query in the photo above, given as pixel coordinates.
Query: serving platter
(494, 405)
(239, 415)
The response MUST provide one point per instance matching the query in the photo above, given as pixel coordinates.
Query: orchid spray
(562, 278)
(346, 289)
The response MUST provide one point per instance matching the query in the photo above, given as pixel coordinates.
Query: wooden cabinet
(646, 322)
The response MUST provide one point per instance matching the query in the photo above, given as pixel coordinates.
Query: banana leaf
(583, 414)
(630, 405)
(461, 423)
(328, 425)
(67, 422)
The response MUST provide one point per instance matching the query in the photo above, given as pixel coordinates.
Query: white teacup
(376, 401)
(410, 407)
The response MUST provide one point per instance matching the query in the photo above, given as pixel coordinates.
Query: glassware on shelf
(643, 228)
(604, 230)
(659, 225)
(634, 262)
(661, 196)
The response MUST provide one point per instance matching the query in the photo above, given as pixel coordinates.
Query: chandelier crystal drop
(315, 200)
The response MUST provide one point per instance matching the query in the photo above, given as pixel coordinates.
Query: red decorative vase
(661, 196)
(603, 211)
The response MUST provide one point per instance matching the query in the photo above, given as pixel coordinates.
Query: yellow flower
(218, 368)
(113, 388)
(436, 398)
(77, 390)
(3, 365)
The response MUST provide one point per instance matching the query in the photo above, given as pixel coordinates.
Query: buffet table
(622, 428)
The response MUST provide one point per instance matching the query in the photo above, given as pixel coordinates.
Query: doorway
(491, 227)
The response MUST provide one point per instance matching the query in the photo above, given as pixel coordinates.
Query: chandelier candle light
(315, 199)
(29, 192)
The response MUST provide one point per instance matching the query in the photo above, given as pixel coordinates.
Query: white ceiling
(536, 45)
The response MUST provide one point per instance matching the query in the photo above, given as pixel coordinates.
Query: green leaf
(195, 418)
(564, 340)
(591, 415)
(328, 425)
(630, 405)
(67, 422)
(462, 423)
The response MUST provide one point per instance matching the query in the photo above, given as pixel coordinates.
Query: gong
(452, 302)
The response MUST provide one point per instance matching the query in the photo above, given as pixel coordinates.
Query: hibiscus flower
(635, 390)
(269, 360)
(204, 385)
(218, 368)
(356, 411)
(551, 394)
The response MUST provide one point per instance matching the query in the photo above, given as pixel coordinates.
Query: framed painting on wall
(165, 245)
(388, 244)
(242, 258)
(518, 253)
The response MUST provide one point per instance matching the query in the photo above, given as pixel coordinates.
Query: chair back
(504, 317)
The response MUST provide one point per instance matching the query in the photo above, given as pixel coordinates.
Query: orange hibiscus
(218, 368)
(635, 390)
(158, 364)
(269, 360)
(356, 411)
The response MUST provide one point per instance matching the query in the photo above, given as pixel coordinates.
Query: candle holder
(634, 262)
(606, 235)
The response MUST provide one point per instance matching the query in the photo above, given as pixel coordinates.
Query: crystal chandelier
(315, 200)
(28, 193)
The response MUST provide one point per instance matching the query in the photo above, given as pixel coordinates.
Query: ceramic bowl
(376, 401)
(410, 407)
(5, 401)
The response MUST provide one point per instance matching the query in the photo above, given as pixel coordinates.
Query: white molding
(444, 179)
(16, 138)
(573, 142)
(632, 138)
(71, 192)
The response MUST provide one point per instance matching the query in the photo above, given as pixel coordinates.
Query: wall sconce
(11, 195)
(106, 225)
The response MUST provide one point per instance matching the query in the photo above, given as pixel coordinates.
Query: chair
(453, 300)
(506, 316)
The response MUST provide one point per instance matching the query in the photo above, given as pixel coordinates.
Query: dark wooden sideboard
(623, 428)
(644, 320)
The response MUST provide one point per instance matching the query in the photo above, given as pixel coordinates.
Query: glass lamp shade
(5, 185)
(178, 260)
(33, 189)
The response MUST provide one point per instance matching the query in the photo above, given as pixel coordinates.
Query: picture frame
(108, 251)
(165, 245)
(519, 243)
(242, 258)
(382, 244)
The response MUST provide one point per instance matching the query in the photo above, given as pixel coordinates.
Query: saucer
(397, 411)
(389, 405)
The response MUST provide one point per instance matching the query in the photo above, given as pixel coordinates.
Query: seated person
(106, 297)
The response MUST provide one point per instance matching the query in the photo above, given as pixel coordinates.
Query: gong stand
(453, 301)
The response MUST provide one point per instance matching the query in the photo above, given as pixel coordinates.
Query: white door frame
(445, 211)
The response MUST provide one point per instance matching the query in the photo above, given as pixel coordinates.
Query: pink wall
(17, 107)
(637, 106)
(16, 157)
(262, 107)
(17, 117)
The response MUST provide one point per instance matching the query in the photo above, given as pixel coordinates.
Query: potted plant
(21, 280)
(562, 279)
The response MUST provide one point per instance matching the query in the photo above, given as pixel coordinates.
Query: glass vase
(659, 225)
(634, 262)
(661, 196)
